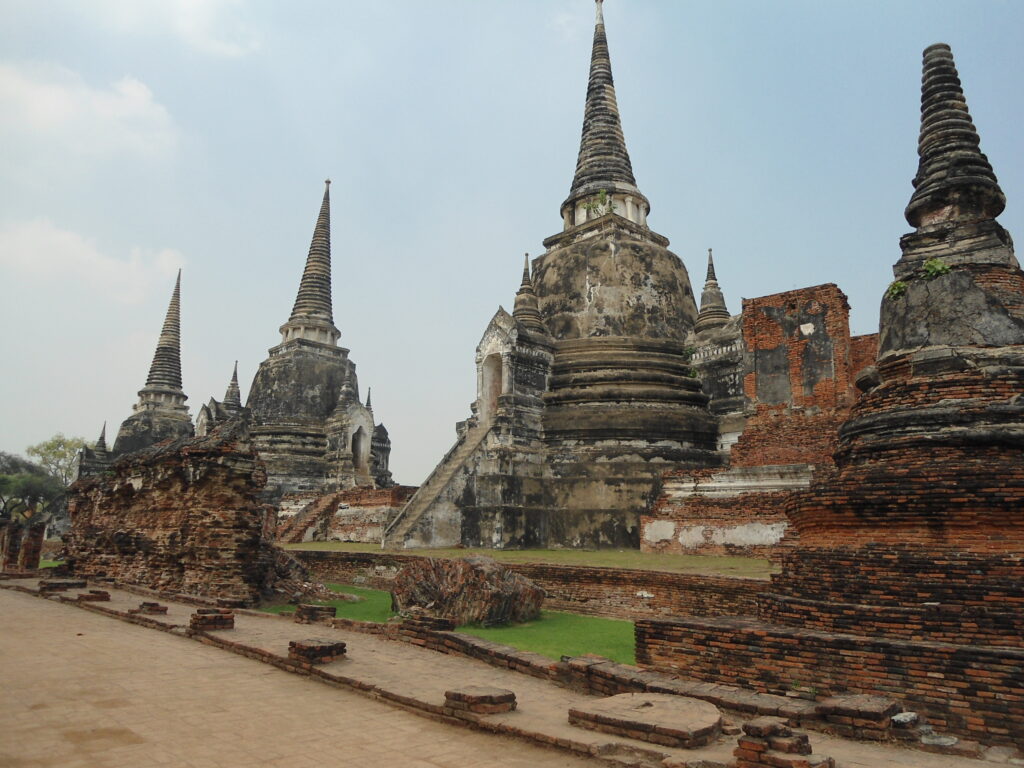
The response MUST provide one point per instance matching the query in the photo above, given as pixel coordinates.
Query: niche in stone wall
(360, 449)
(490, 386)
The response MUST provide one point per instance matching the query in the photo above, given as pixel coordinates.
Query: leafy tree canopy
(57, 456)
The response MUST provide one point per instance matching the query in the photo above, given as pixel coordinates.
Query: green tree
(57, 456)
(26, 489)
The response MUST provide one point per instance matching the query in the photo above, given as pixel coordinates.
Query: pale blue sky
(137, 136)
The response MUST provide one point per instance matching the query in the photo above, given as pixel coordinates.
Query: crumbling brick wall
(182, 516)
(21, 545)
(800, 362)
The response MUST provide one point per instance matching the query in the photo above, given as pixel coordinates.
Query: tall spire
(527, 308)
(713, 312)
(165, 371)
(603, 162)
(369, 402)
(101, 442)
(314, 297)
(312, 317)
(954, 179)
(233, 396)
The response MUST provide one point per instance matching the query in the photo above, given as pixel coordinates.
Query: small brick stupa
(908, 575)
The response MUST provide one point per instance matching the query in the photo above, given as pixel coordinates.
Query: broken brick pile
(207, 619)
(315, 651)
(480, 700)
(771, 743)
(467, 590)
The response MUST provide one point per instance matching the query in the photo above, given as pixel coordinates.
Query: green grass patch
(44, 563)
(375, 606)
(707, 565)
(556, 634)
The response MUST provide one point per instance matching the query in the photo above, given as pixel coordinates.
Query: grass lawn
(554, 635)
(376, 605)
(611, 558)
(44, 563)
(558, 634)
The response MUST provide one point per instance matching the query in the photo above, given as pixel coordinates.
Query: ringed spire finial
(600, 13)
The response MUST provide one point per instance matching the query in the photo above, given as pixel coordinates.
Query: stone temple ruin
(308, 425)
(884, 473)
(606, 387)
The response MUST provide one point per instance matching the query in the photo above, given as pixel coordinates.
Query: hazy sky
(137, 136)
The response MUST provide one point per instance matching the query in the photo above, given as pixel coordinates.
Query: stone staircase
(396, 533)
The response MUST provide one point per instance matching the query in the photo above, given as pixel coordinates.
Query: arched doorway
(360, 449)
(490, 386)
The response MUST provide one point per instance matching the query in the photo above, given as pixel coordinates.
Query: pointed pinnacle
(713, 312)
(603, 162)
(314, 296)
(369, 404)
(527, 280)
(711, 268)
(233, 396)
(101, 443)
(954, 179)
(165, 371)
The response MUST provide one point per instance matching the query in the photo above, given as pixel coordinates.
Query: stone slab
(660, 718)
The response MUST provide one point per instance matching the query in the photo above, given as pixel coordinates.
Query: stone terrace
(411, 677)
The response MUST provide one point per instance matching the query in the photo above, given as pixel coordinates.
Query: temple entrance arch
(492, 374)
(360, 449)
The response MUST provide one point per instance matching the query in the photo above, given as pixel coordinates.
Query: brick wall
(798, 389)
(21, 546)
(611, 592)
(863, 352)
(965, 690)
(182, 516)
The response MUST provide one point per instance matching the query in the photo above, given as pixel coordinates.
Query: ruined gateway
(605, 377)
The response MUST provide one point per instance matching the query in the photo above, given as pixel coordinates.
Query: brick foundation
(966, 690)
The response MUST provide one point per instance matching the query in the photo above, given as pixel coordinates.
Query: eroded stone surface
(676, 721)
(470, 590)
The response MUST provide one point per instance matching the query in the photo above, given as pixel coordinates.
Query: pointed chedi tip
(233, 395)
(165, 371)
(954, 181)
(314, 296)
(603, 161)
(711, 268)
